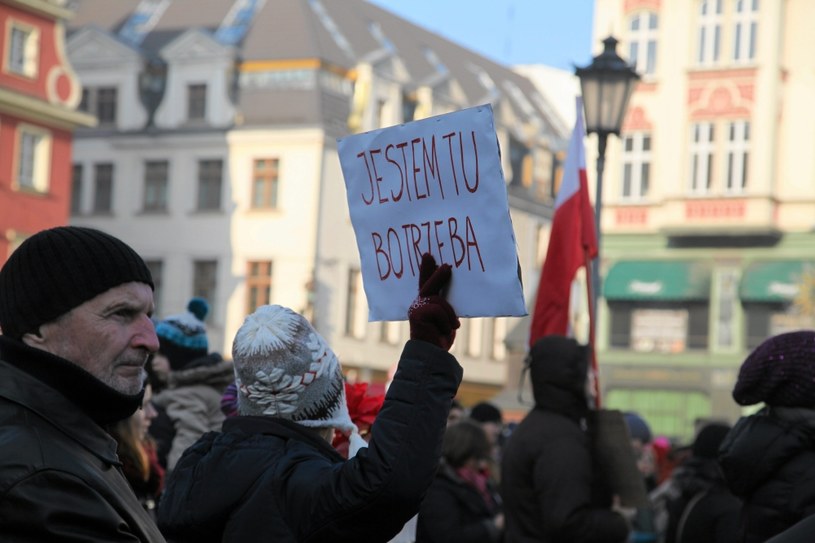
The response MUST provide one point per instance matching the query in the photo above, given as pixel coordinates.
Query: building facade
(709, 200)
(39, 93)
(215, 156)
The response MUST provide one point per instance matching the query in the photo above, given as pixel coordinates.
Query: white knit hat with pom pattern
(285, 369)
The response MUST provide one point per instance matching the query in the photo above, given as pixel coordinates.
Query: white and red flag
(572, 242)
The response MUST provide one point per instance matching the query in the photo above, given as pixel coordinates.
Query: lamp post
(606, 85)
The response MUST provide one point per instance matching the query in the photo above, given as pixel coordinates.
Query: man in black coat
(549, 486)
(75, 306)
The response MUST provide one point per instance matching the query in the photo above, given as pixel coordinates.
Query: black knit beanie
(779, 372)
(58, 269)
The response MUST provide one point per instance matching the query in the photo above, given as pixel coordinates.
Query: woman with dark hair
(461, 505)
(137, 453)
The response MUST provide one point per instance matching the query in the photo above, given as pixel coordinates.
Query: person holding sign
(271, 474)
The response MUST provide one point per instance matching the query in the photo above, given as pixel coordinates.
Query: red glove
(431, 318)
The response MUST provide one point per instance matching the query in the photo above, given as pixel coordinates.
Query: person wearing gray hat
(271, 473)
(75, 306)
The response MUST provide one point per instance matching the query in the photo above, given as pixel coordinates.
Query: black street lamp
(606, 85)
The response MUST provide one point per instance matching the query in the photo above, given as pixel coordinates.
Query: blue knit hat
(183, 338)
(637, 427)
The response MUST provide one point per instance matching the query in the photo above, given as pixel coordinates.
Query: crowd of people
(116, 425)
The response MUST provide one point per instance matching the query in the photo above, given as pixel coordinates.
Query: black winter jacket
(702, 510)
(550, 490)
(455, 512)
(269, 479)
(768, 459)
(60, 478)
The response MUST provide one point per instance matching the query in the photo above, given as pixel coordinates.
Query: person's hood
(558, 369)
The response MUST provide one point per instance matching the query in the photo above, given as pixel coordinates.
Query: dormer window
(100, 101)
(196, 102)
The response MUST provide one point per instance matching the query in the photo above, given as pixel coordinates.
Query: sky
(552, 32)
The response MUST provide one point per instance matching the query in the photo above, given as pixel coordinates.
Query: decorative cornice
(37, 110)
(44, 7)
(632, 5)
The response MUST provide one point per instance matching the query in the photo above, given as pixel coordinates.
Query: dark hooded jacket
(550, 489)
(60, 478)
(270, 479)
(768, 460)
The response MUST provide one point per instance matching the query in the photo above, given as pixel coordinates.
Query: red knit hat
(779, 372)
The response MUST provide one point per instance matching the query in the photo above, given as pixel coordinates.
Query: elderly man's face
(109, 336)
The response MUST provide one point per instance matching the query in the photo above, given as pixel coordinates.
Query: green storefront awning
(658, 280)
(777, 281)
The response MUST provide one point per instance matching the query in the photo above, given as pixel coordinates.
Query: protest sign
(434, 185)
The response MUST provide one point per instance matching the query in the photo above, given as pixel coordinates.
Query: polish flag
(572, 242)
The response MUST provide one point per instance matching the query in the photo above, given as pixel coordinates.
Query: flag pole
(592, 327)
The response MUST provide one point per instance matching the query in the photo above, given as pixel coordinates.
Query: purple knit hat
(779, 372)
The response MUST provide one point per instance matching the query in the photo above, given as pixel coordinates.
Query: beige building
(709, 200)
(215, 156)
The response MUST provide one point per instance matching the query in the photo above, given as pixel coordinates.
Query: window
(209, 184)
(23, 50)
(103, 188)
(668, 327)
(265, 183)
(710, 32)
(760, 321)
(659, 330)
(33, 158)
(106, 105)
(745, 31)
(101, 102)
(196, 102)
(409, 104)
(380, 111)
(642, 42)
(155, 185)
(355, 315)
(701, 152)
(258, 284)
(156, 268)
(204, 281)
(738, 153)
(520, 161)
(76, 189)
(636, 166)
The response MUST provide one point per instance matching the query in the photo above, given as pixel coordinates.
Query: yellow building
(709, 200)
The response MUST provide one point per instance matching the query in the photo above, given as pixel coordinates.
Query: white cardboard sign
(434, 185)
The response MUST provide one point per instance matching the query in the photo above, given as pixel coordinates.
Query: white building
(215, 156)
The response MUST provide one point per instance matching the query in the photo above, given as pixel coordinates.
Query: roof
(338, 33)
